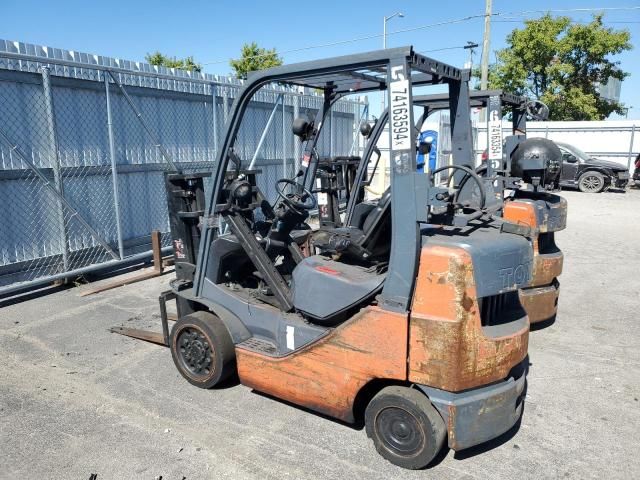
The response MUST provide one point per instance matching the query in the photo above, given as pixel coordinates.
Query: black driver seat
(368, 236)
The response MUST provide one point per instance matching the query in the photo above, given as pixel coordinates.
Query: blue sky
(214, 31)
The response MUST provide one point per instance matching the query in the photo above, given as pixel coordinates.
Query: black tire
(202, 349)
(405, 427)
(591, 182)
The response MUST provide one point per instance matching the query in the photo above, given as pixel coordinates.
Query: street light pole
(384, 33)
(384, 44)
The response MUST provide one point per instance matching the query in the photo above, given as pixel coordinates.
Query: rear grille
(500, 309)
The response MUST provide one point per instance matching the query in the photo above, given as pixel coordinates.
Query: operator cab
(350, 261)
(339, 268)
(260, 250)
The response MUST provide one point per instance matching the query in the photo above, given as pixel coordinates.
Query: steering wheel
(469, 174)
(306, 201)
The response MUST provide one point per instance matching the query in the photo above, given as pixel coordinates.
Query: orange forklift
(528, 170)
(407, 319)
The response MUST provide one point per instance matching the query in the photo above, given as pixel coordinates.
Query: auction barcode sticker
(399, 114)
(494, 129)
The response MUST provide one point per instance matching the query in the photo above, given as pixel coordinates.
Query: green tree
(254, 58)
(162, 60)
(561, 63)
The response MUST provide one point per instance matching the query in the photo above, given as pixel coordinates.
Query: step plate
(258, 345)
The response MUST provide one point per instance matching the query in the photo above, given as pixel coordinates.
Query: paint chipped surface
(544, 215)
(447, 346)
(540, 303)
(546, 267)
(327, 375)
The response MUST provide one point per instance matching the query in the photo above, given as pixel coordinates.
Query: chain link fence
(85, 142)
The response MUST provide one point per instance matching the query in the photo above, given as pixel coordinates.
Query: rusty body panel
(448, 348)
(544, 212)
(540, 303)
(327, 374)
(546, 266)
(477, 415)
(544, 215)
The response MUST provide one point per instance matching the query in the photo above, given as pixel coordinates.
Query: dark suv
(590, 174)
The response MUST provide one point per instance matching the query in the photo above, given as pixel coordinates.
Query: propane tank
(538, 161)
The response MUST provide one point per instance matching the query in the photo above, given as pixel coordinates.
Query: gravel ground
(76, 400)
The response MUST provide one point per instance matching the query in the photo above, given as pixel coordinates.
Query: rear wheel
(591, 182)
(405, 427)
(202, 349)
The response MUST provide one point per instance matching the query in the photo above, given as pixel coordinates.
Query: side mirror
(567, 157)
(537, 110)
(365, 129)
(302, 128)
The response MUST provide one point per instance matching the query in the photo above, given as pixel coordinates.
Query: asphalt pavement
(76, 400)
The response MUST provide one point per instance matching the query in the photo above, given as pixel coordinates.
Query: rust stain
(447, 346)
(451, 426)
(546, 266)
(540, 303)
(467, 302)
(327, 375)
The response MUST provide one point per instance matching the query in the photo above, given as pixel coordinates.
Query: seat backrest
(372, 240)
(376, 229)
(376, 215)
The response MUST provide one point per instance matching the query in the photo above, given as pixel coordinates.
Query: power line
(359, 39)
(575, 21)
(443, 48)
(438, 24)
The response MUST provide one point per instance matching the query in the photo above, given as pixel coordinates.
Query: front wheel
(202, 349)
(591, 182)
(405, 427)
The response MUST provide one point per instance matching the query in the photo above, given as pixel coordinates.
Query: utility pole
(471, 46)
(484, 67)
